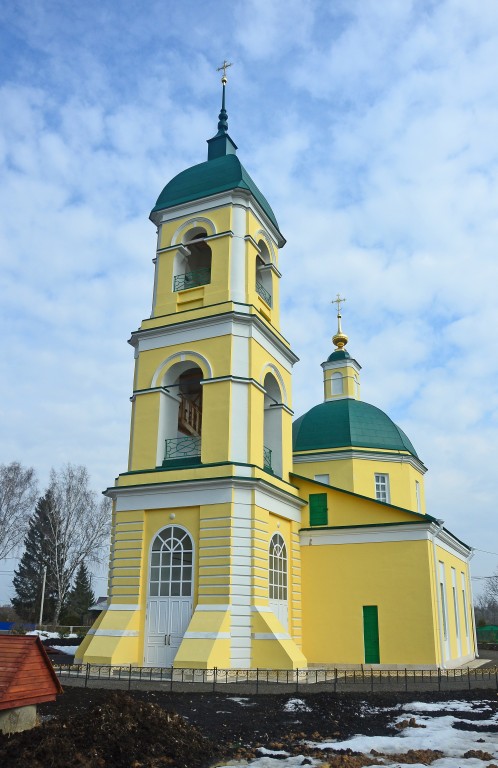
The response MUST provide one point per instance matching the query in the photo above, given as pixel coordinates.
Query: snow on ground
(49, 635)
(296, 705)
(438, 733)
(242, 700)
(69, 649)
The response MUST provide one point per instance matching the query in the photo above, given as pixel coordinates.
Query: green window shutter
(318, 509)
(371, 634)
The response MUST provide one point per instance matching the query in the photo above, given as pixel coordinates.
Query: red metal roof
(26, 674)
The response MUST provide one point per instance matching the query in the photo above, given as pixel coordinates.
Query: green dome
(345, 423)
(338, 354)
(218, 175)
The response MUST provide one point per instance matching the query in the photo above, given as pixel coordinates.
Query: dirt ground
(95, 728)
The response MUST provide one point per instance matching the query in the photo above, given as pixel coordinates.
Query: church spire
(339, 339)
(221, 144)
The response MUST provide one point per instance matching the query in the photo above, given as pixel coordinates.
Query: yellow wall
(358, 475)
(338, 580)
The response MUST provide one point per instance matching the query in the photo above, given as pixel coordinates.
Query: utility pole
(43, 595)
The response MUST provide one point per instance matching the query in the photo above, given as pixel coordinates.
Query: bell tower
(205, 561)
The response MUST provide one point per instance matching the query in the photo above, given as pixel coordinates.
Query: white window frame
(382, 488)
(337, 383)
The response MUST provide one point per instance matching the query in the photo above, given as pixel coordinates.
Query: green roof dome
(345, 423)
(338, 354)
(217, 175)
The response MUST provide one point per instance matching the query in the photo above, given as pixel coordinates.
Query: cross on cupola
(339, 339)
(221, 144)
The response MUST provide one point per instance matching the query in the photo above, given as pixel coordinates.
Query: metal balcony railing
(267, 459)
(263, 293)
(192, 279)
(182, 448)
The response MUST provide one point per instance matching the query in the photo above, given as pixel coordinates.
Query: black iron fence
(252, 681)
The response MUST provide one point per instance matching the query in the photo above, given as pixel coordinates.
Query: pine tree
(28, 577)
(80, 597)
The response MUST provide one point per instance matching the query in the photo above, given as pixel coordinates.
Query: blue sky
(372, 128)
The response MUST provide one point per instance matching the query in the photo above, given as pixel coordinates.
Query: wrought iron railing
(182, 448)
(265, 295)
(267, 458)
(192, 279)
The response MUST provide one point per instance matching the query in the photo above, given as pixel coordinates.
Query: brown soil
(95, 728)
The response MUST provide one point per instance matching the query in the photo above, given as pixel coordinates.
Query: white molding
(204, 492)
(385, 533)
(114, 632)
(341, 455)
(346, 363)
(236, 380)
(206, 636)
(238, 322)
(238, 196)
(185, 355)
(196, 221)
(271, 636)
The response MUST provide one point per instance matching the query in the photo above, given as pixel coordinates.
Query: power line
(486, 552)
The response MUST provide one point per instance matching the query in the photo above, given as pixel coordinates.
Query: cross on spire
(338, 301)
(224, 67)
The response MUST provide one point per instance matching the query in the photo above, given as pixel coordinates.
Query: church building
(239, 538)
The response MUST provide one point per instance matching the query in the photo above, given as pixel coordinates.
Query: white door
(169, 606)
(277, 579)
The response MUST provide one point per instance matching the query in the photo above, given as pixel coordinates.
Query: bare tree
(79, 526)
(18, 493)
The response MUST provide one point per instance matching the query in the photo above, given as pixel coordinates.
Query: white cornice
(347, 362)
(240, 316)
(232, 197)
(399, 458)
(373, 534)
(216, 490)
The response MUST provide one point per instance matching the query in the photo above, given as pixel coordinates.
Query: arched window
(277, 578)
(180, 420)
(263, 273)
(171, 564)
(336, 379)
(272, 451)
(192, 265)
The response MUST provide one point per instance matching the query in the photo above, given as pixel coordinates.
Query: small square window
(323, 479)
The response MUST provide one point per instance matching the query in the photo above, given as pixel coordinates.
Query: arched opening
(277, 579)
(170, 592)
(272, 448)
(337, 384)
(192, 265)
(263, 273)
(181, 414)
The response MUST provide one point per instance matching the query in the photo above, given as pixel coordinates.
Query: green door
(371, 634)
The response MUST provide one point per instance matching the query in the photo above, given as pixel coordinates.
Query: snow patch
(296, 705)
(453, 706)
(242, 700)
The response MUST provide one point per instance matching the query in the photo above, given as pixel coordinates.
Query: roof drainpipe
(438, 595)
(472, 611)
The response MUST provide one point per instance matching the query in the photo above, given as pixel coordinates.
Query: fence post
(406, 679)
(257, 679)
(215, 672)
(468, 676)
(335, 680)
(439, 678)
(87, 672)
(129, 678)
(171, 679)
(297, 680)
(371, 679)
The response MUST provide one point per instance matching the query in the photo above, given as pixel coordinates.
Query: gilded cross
(338, 301)
(224, 67)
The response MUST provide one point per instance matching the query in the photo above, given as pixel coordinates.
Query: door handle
(167, 639)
